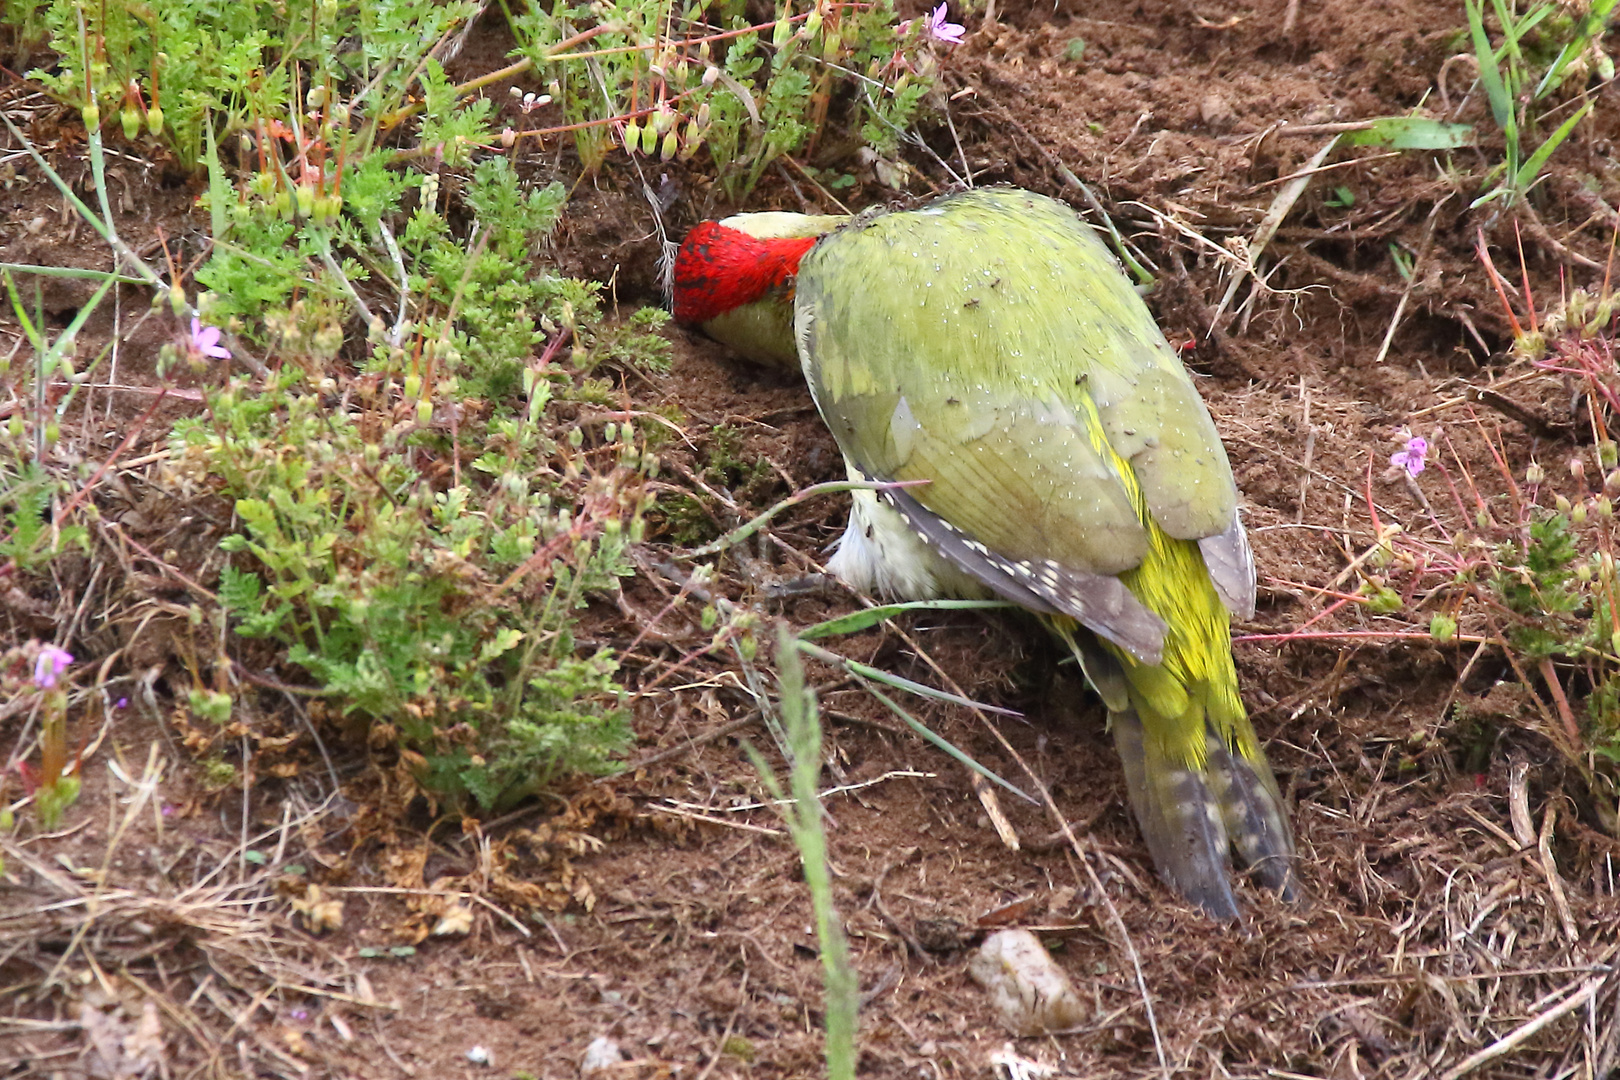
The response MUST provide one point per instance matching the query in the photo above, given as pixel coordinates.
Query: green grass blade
(856, 621)
(1591, 25)
(69, 272)
(1489, 73)
(1411, 133)
(940, 742)
(804, 816)
(218, 187)
(1528, 172)
(61, 185)
(899, 682)
(744, 531)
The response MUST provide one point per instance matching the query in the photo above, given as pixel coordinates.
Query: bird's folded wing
(991, 347)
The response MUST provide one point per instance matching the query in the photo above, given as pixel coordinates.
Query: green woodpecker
(989, 345)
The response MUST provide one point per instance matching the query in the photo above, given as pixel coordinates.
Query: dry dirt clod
(1031, 995)
(602, 1057)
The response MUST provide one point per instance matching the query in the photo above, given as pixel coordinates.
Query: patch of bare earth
(1461, 915)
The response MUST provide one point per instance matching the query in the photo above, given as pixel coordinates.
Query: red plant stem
(1324, 613)
(1372, 507)
(1363, 635)
(1524, 276)
(1556, 688)
(1479, 502)
(636, 115)
(1496, 280)
(1491, 444)
(129, 440)
(53, 740)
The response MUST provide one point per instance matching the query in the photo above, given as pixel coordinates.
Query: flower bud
(783, 31)
(1604, 507)
(131, 119)
(305, 194)
(508, 137)
(154, 120)
(1577, 513)
(632, 136)
(649, 140)
(710, 75)
(1608, 454)
(424, 412)
(691, 140)
(1561, 504)
(1535, 474)
(1577, 469)
(1443, 628)
(672, 143)
(91, 116)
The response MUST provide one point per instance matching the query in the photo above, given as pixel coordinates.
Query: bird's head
(720, 269)
(734, 278)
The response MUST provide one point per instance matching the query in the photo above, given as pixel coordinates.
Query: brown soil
(672, 917)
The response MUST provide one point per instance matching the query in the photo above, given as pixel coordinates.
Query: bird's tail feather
(1180, 818)
(1192, 817)
(1256, 820)
(1202, 805)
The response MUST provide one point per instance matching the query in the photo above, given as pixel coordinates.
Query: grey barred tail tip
(1196, 823)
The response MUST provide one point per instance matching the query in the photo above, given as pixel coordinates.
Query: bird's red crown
(720, 268)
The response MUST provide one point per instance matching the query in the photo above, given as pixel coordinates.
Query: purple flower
(1411, 458)
(50, 665)
(935, 26)
(204, 341)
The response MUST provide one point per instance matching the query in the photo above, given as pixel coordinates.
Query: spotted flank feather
(1044, 586)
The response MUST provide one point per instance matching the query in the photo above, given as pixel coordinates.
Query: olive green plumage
(989, 345)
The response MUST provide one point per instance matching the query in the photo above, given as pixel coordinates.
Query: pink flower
(1411, 458)
(50, 665)
(204, 341)
(935, 26)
